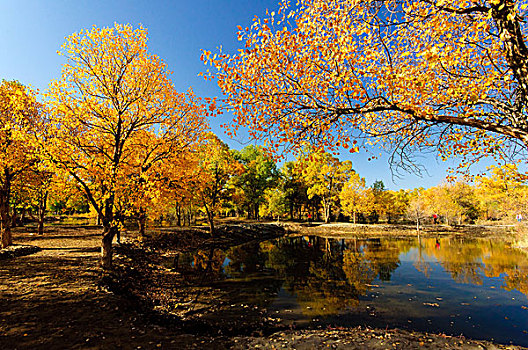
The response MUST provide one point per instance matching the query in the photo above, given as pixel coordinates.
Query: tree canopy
(447, 76)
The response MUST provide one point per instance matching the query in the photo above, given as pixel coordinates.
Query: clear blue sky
(31, 32)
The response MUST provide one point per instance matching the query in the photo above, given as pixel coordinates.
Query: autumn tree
(417, 209)
(380, 201)
(20, 117)
(295, 190)
(353, 196)
(35, 186)
(216, 166)
(259, 174)
(65, 195)
(274, 203)
(463, 195)
(116, 114)
(324, 176)
(498, 194)
(413, 75)
(454, 202)
(399, 203)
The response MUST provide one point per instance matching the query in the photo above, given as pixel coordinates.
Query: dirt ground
(53, 300)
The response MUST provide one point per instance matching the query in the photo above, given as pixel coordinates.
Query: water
(476, 288)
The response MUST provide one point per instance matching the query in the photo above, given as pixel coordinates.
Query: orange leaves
(20, 121)
(400, 78)
(117, 116)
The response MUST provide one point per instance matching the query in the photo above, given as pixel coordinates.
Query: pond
(477, 288)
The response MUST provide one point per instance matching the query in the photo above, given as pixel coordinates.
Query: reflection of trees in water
(420, 263)
(512, 264)
(209, 262)
(468, 261)
(312, 271)
(384, 257)
(462, 259)
(328, 275)
(254, 284)
(245, 259)
(358, 270)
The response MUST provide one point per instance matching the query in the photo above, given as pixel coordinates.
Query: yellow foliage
(117, 120)
(412, 74)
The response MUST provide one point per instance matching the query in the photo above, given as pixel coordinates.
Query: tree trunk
(210, 219)
(42, 212)
(5, 219)
(5, 222)
(106, 248)
(142, 221)
(14, 218)
(23, 217)
(418, 222)
(327, 211)
(7, 238)
(249, 212)
(178, 215)
(109, 231)
(354, 216)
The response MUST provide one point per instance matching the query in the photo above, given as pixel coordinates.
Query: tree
(380, 201)
(37, 184)
(498, 193)
(448, 76)
(115, 115)
(417, 209)
(217, 165)
(275, 203)
(295, 190)
(324, 176)
(464, 196)
(353, 196)
(20, 116)
(454, 202)
(399, 203)
(260, 173)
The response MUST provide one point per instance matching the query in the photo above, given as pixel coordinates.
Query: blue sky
(31, 32)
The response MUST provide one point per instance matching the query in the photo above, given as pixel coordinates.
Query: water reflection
(435, 284)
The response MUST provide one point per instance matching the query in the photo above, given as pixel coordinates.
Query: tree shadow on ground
(51, 300)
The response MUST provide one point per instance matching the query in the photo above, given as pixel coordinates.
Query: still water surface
(477, 287)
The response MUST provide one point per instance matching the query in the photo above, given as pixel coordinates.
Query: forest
(112, 142)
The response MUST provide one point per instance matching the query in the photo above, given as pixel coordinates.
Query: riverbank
(401, 230)
(54, 299)
(363, 338)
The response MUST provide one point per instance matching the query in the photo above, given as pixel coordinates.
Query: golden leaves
(338, 65)
(20, 121)
(117, 115)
